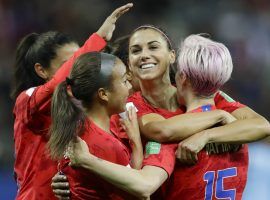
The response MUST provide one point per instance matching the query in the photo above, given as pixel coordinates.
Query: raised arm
(96, 42)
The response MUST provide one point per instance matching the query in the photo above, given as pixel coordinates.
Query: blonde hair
(206, 63)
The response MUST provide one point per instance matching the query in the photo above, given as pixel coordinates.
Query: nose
(144, 54)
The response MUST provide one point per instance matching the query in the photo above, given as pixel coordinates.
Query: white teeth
(146, 66)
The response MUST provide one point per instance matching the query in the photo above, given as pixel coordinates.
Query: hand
(187, 149)
(228, 118)
(78, 152)
(107, 28)
(60, 186)
(130, 125)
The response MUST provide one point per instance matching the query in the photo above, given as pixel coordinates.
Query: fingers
(59, 178)
(132, 115)
(59, 182)
(122, 125)
(185, 155)
(191, 158)
(61, 194)
(62, 198)
(60, 185)
(121, 10)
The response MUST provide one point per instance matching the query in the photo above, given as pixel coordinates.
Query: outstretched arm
(96, 42)
(177, 128)
(249, 127)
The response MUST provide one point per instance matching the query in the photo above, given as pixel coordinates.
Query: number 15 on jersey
(218, 190)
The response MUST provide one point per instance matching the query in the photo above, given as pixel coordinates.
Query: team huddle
(108, 120)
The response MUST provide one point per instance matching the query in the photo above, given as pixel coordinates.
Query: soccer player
(215, 69)
(150, 55)
(38, 57)
(99, 82)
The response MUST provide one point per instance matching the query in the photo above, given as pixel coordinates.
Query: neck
(160, 94)
(99, 115)
(192, 101)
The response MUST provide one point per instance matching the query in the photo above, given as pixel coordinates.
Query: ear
(129, 66)
(41, 72)
(129, 76)
(183, 79)
(172, 56)
(103, 94)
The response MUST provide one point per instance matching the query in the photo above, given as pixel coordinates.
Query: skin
(62, 55)
(148, 46)
(157, 90)
(155, 83)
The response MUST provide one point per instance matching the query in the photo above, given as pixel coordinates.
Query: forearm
(44, 92)
(137, 154)
(240, 131)
(135, 182)
(182, 126)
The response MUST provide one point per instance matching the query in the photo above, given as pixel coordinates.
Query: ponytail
(68, 121)
(23, 69)
(35, 48)
(90, 72)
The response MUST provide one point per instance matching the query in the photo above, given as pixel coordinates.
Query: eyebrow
(151, 42)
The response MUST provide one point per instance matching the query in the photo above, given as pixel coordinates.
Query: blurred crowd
(242, 25)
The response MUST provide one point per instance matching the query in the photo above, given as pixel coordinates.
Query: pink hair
(207, 64)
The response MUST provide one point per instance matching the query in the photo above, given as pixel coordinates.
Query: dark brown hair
(35, 48)
(68, 119)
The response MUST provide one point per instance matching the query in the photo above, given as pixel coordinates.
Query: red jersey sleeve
(40, 99)
(225, 102)
(160, 155)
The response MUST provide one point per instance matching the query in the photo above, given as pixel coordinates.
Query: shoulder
(24, 96)
(225, 102)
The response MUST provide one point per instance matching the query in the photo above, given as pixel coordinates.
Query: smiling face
(149, 55)
(119, 91)
(63, 53)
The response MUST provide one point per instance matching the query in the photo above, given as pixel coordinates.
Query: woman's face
(149, 55)
(63, 53)
(119, 91)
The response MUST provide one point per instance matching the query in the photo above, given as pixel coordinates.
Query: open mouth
(147, 66)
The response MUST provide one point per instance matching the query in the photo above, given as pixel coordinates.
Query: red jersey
(33, 167)
(163, 156)
(86, 185)
(220, 173)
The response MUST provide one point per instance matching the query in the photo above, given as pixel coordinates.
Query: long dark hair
(35, 48)
(69, 120)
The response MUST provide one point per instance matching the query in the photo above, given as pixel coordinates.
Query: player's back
(220, 173)
(30, 138)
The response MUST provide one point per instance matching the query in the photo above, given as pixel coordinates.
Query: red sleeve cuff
(164, 159)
